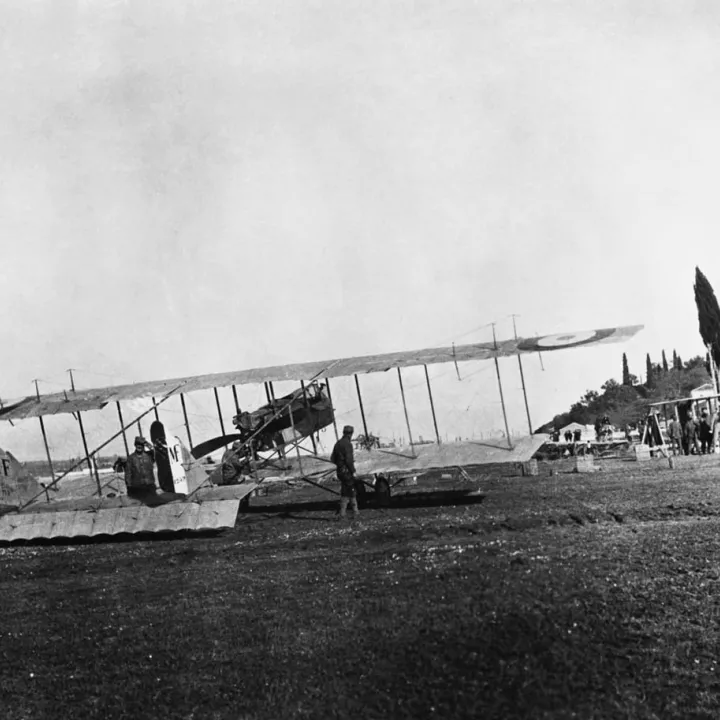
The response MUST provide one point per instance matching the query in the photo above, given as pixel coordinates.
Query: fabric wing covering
(97, 398)
(116, 521)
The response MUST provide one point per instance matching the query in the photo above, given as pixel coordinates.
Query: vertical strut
(185, 416)
(122, 428)
(407, 419)
(237, 405)
(91, 467)
(47, 447)
(362, 409)
(502, 398)
(295, 440)
(217, 402)
(269, 388)
(327, 385)
(522, 380)
(157, 416)
(305, 401)
(432, 404)
(267, 393)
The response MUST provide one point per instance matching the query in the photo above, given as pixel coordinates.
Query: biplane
(268, 433)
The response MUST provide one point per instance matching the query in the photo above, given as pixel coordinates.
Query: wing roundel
(565, 340)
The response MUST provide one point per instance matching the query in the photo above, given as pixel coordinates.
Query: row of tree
(627, 402)
(653, 371)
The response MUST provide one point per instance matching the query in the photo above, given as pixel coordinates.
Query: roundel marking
(561, 340)
(565, 340)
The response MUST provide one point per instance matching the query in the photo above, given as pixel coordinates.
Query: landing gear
(361, 493)
(382, 491)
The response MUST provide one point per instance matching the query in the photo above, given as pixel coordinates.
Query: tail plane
(17, 485)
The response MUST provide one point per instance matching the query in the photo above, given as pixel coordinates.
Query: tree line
(626, 402)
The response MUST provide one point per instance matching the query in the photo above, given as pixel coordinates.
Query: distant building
(587, 432)
(706, 390)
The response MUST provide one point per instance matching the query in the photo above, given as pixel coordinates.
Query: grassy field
(564, 597)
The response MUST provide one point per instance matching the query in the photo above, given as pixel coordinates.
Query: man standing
(706, 433)
(675, 436)
(690, 435)
(139, 476)
(343, 457)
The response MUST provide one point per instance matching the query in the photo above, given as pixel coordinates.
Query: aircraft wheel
(245, 504)
(361, 493)
(382, 492)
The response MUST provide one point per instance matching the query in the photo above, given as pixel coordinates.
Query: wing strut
(185, 416)
(502, 398)
(327, 385)
(305, 402)
(432, 404)
(122, 428)
(217, 402)
(295, 440)
(47, 447)
(407, 419)
(362, 409)
(522, 379)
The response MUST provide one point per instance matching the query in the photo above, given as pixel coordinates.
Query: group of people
(570, 436)
(695, 436)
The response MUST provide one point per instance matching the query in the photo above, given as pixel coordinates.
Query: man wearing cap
(233, 464)
(706, 433)
(343, 457)
(139, 476)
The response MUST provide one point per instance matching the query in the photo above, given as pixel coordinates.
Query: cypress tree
(649, 373)
(675, 360)
(708, 314)
(664, 362)
(626, 371)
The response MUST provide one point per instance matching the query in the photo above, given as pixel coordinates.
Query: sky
(194, 187)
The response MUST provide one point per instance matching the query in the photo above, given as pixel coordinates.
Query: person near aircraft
(690, 436)
(706, 433)
(139, 476)
(344, 459)
(234, 464)
(675, 434)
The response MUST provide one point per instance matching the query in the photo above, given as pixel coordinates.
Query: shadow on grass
(410, 500)
(119, 539)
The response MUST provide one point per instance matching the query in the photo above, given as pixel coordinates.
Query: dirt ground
(572, 596)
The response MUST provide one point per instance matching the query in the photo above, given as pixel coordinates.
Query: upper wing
(97, 398)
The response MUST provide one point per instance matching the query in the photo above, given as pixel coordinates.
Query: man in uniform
(690, 431)
(706, 433)
(675, 434)
(234, 464)
(343, 457)
(139, 476)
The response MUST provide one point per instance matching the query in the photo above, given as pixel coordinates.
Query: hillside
(628, 403)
